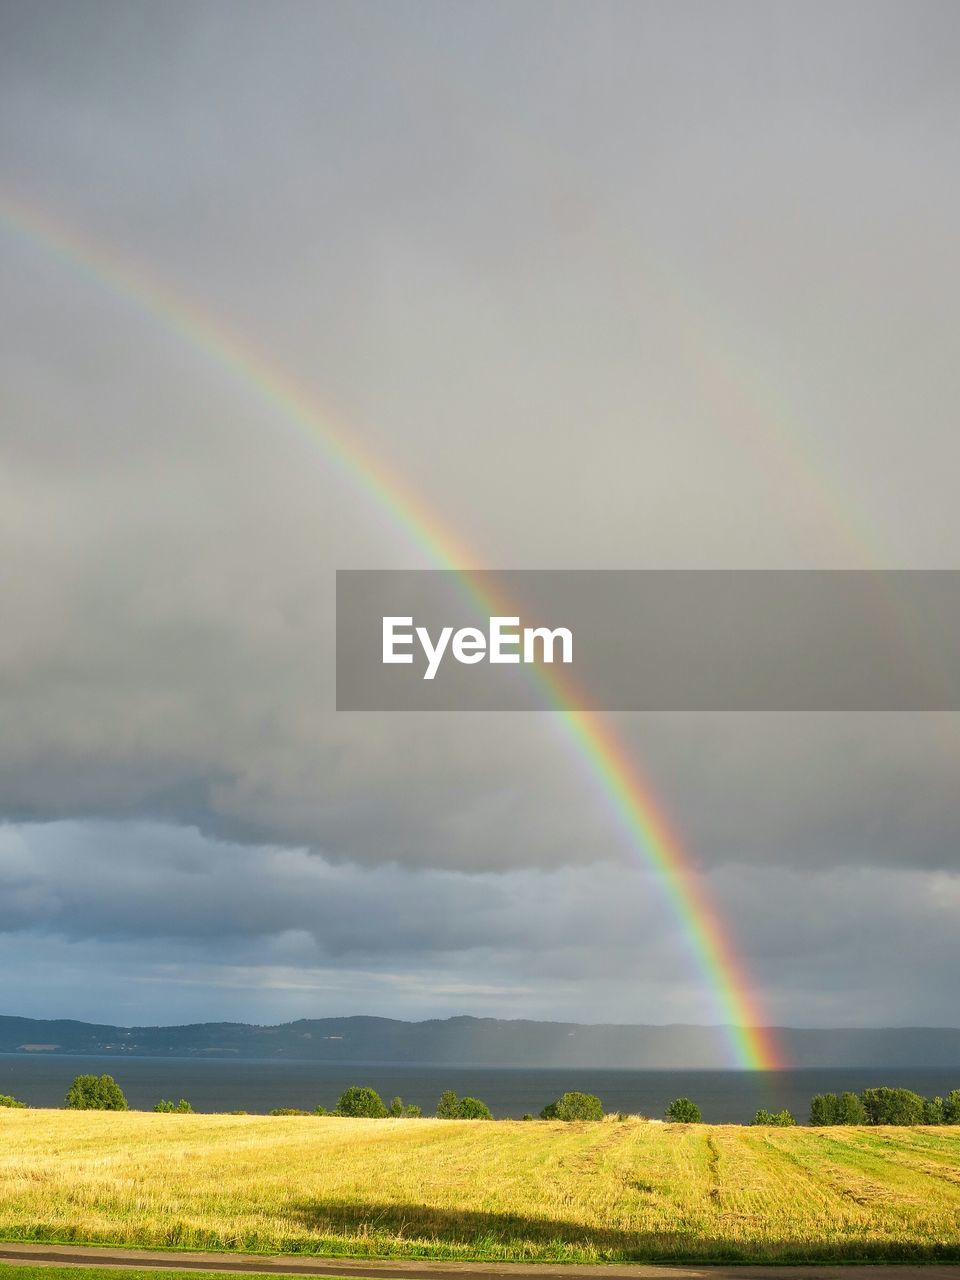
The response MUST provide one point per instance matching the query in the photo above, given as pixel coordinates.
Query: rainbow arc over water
(646, 828)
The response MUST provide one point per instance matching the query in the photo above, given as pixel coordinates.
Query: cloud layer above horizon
(619, 287)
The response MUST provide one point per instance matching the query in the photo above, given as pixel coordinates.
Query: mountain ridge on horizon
(466, 1040)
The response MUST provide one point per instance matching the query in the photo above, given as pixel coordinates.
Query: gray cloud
(144, 916)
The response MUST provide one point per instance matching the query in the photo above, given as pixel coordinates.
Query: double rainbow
(645, 825)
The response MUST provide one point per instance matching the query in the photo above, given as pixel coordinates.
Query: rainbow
(645, 825)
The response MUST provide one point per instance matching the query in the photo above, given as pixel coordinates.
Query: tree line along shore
(878, 1105)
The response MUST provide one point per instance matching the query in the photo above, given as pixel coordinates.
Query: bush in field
(781, 1119)
(828, 1108)
(892, 1106)
(474, 1109)
(574, 1106)
(951, 1107)
(95, 1093)
(851, 1110)
(824, 1109)
(361, 1101)
(7, 1101)
(288, 1111)
(319, 1110)
(884, 1106)
(934, 1111)
(398, 1110)
(683, 1111)
(165, 1104)
(448, 1108)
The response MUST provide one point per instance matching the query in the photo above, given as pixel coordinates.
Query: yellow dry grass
(458, 1189)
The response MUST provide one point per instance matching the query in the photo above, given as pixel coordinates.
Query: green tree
(934, 1111)
(574, 1106)
(165, 1104)
(396, 1107)
(892, 1106)
(824, 1109)
(951, 1107)
(412, 1111)
(7, 1101)
(683, 1111)
(473, 1109)
(448, 1108)
(781, 1119)
(359, 1100)
(95, 1093)
(850, 1109)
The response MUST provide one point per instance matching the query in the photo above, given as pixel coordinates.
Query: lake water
(258, 1086)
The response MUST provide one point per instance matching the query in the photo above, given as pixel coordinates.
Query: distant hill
(480, 1042)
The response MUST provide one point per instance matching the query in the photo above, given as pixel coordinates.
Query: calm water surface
(257, 1086)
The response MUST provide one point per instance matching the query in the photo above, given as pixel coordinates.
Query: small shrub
(412, 1111)
(320, 1111)
(361, 1101)
(684, 1111)
(574, 1106)
(824, 1109)
(851, 1110)
(781, 1119)
(288, 1111)
(165, 1104)
(7, 1101)
(238, 1113)
(95, 1093)
(474, 1109)
(448, 1108)
(526, 1116)
(934, 1111)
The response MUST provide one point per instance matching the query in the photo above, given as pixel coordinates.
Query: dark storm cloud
(149, 916)
(645, 287)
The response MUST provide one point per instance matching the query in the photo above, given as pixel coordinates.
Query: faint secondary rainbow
(641, 817)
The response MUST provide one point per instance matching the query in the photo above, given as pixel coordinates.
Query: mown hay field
(28, 1271)
(505, 1190)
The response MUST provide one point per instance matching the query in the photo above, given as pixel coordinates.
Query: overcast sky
(609, 285)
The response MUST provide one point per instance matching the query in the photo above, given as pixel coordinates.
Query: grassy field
(14, 1271)
(615, 1191)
